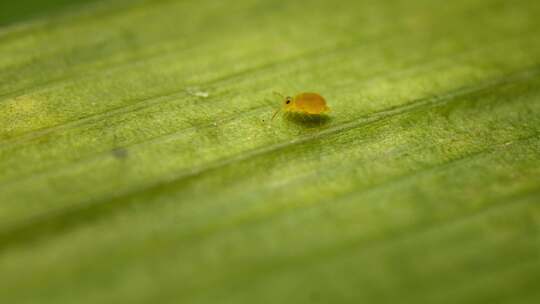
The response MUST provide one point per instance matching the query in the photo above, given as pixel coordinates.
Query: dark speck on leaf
(120, 153)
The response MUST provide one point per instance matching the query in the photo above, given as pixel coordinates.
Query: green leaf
(138, 162)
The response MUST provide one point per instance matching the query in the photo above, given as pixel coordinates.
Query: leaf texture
(138, 162)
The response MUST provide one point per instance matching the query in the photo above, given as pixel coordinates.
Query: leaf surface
(138, 162)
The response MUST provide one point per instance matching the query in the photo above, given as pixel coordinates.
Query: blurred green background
(138, 162)
(13, 11)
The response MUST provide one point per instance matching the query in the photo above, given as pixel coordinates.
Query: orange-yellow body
(305, 103)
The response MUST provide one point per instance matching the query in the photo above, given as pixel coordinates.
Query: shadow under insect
(308, 121)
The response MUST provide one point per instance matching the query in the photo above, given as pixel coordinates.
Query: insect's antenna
(279, 94)
(276, 113)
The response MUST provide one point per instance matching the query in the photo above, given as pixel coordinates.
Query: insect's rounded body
(306, 103)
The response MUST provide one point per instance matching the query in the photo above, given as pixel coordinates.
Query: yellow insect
(303, 103)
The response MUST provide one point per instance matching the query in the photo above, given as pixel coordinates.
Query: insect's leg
(276, 113)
